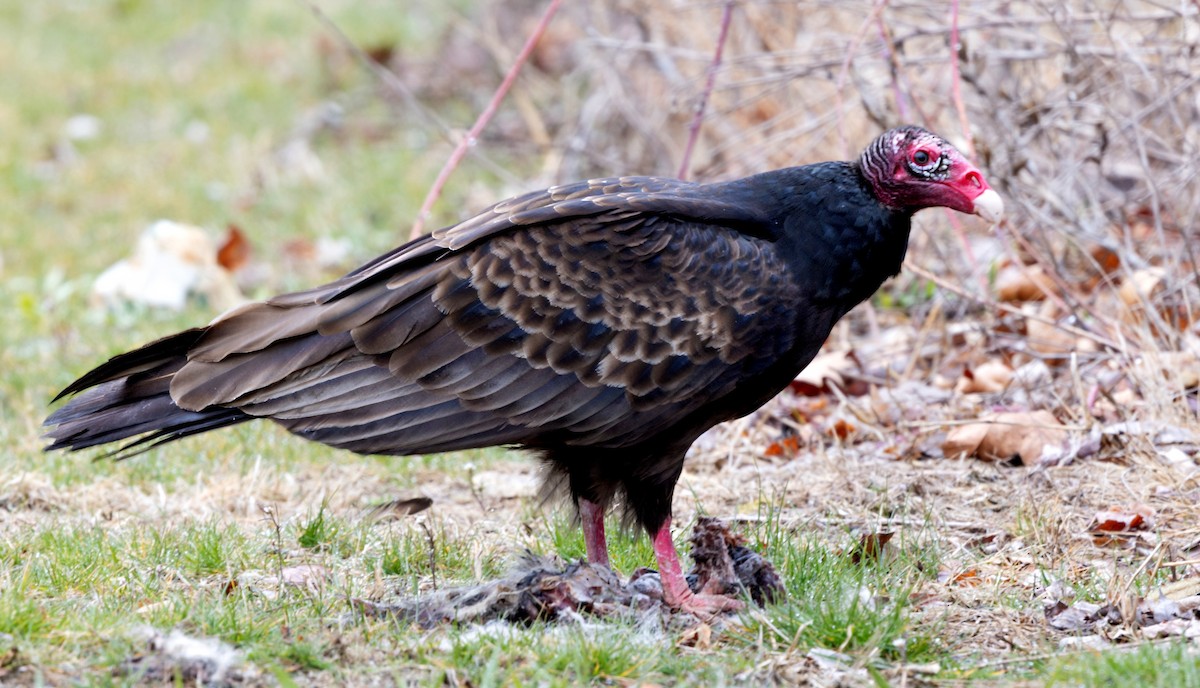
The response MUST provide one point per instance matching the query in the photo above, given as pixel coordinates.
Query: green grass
(1174, 665)
(77, 595)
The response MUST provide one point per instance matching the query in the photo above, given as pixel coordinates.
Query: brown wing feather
(593, 313)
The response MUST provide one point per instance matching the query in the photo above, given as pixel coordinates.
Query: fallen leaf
(1023, 283)
(842, 429)
(987, 378)
(1158, 610)
(825, 370)
(1003, 436)
(235, 251)
(788, 446)
(1106, 258)
(1172, 629)
(1081, 616)
(1115, 522)
(1138, 289)
(967, 577)
(1122, 519)
(170, 262)
(970, 578)
(1175, 367)
(1049, 339)
(870, 546)
(699, 637)
(1185, 589)
(1148, 297)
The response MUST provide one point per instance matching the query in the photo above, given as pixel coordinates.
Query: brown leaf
(870, 546)
(788, 446)
(1174, 367)
(970, 578)
(1023, 283)
(381, 54)
(1142, 286)
(841, 429)
(1106, 258)
(1115, 521)
(990, 377)
(967, 578)
(1076, 618)
(964, 440)
(235, 250)
(1148, 297)
(825, 370)
(1002, 436)
(1122, 519)
(699, 637)
(1046, 338)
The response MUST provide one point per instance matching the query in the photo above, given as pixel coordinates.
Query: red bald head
(910, 168)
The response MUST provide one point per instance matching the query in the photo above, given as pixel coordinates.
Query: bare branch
(710, 81)
(467, 142)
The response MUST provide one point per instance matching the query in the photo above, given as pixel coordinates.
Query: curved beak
(985, 202)
(989, 206)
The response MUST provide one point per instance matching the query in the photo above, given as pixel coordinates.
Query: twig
(948, 286)
(385, 76)
(271, 513)
(922, 424)
(956, 83)
(844, 72)
(1179, 562)
(472, 137)
(396, 86)
(1049, 270)
(432, 551)
(709, 83)
(901, 92)
(968, 140)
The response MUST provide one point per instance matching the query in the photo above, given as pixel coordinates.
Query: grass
(1153, 666)
(76, 595)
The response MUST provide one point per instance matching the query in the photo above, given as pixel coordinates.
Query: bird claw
(704, 605)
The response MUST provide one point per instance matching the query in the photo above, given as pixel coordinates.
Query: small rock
(1084, 642)
(190, 660)
(82, 127)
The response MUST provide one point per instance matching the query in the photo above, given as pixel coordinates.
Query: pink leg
(676, 592)
(592, 516)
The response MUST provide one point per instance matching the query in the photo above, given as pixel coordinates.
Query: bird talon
(705, 605)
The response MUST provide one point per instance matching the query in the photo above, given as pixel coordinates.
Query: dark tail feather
(130, 396)
(149, 356)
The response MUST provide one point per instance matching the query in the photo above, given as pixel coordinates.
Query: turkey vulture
(603, 325)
